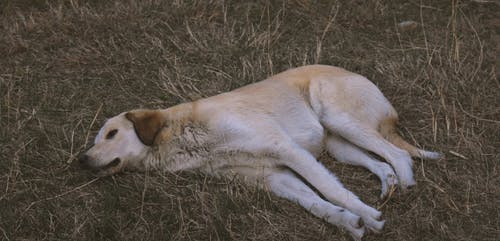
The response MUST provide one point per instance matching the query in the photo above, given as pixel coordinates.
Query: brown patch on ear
(147, 124)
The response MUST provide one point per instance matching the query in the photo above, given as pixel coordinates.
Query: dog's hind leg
(287, 185)
(368, 138)
(345, 152)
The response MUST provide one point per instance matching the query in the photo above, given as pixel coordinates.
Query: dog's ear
(147, 124)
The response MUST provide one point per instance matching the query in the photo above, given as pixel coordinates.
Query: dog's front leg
(274, 142)
(285, 184)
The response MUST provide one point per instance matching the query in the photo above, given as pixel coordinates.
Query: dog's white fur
(263, 131)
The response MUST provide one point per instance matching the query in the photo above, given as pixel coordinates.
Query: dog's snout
(83, 159)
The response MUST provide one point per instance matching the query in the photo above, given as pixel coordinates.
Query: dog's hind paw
(407, 184)
(389, 181)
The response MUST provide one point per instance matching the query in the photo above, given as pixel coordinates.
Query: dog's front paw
(373, 219)
(354, 225)
(371, 216)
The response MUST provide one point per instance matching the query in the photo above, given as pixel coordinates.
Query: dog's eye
(111, 134)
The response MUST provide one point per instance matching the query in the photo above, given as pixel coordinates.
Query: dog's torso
(240, 127)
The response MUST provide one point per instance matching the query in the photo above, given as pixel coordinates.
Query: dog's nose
(83, 159)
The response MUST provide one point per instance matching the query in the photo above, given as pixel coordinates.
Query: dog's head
(123, 141)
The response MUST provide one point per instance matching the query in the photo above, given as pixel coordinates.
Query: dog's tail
(388, 130)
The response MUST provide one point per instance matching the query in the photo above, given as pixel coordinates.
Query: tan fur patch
(388, 130)
(147, 124)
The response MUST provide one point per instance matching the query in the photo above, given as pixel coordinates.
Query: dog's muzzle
(86, 162)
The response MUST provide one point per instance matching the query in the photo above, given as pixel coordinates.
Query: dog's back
(295, 98)
(299, 95)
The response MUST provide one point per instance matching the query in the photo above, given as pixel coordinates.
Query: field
(67, 65)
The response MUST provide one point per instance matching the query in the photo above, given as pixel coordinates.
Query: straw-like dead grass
(66, 65)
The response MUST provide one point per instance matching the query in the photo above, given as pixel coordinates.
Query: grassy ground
(67, 65)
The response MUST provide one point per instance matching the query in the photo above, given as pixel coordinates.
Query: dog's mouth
(110, 168)
(115, 162)
(104, 170)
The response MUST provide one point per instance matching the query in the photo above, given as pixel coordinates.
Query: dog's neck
(182, 142)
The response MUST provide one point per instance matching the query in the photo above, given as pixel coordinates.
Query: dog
(270, 133)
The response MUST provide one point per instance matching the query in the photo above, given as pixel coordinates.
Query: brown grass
(66, 65)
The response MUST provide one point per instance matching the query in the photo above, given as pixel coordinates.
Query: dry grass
(66, 65)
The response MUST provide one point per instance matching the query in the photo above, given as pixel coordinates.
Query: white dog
(263, 131)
